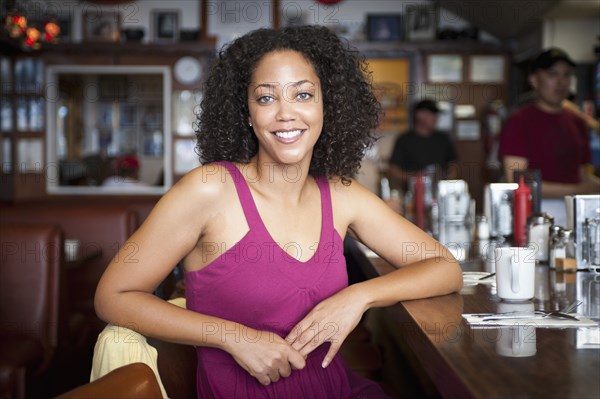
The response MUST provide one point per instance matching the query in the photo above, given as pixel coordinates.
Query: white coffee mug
(518, 341)
(515, 273)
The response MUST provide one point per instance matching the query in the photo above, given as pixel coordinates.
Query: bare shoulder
(208, 181)
(350, 198)
(204, 188)
(349, 189)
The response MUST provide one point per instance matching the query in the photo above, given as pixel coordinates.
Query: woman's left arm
(425, 268)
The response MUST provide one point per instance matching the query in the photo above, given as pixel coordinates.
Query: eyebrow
(273, 85)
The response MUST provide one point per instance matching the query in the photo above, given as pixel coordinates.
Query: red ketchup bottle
(521, 211)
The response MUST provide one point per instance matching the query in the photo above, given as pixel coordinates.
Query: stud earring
(250, 123)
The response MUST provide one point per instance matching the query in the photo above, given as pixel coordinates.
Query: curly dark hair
(350, 109)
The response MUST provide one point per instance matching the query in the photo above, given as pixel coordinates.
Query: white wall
(577, 36)
(229, 19)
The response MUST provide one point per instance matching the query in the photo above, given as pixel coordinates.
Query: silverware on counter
(536, 314)
(488, 276)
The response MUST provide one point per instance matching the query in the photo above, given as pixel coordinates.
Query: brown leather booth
(133, 381)
(177, 365)
(103, 228)
(97, 226)
(30, 302)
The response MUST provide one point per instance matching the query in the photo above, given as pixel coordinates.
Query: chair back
(134, 381)
(30, 283)
(177, 365)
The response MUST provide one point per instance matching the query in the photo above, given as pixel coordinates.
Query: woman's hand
(266, 356)
(331, 320)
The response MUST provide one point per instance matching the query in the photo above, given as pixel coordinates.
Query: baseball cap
(549, 57)
(427, 104)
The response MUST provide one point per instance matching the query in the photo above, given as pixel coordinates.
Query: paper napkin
(477, 320)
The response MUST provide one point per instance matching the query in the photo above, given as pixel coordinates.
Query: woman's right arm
(173, 229)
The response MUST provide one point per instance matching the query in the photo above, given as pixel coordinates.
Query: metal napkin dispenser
(583, 216)
(498, 208)
(454, 200)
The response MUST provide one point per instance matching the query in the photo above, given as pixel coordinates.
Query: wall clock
(188, 70)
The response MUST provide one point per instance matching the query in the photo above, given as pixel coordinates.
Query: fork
(564, 313)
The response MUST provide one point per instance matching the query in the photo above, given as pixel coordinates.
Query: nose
(286, 110)
(564, 80)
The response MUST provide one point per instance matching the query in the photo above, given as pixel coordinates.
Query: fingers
(296, 360)
(294, 334)
(312, 337)
(284, 370)
(333, 350)
(281, 366)
(263, 379)
(272, 375)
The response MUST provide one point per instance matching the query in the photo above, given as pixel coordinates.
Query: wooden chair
(30, 297)
(133, 381)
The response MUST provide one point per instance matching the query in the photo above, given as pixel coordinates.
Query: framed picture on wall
(444, 68)
(165, 24)
(421, 22)
(101, 26)
(486, 68)
(385, 27)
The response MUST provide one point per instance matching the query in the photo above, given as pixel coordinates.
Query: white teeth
(288, 135)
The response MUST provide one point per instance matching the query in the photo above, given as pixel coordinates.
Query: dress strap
(244, 194)
(326, 207)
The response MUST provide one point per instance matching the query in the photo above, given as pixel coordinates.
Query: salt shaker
(483, 228)
(538, 234)
(557, 245)
(504, 226)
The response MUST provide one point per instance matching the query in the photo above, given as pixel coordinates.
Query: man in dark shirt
(423, 147)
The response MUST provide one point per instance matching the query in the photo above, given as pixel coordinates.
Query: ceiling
(512, 19)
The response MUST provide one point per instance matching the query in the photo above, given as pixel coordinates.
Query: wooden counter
(456, 361)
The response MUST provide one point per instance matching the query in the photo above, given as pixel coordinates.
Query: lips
(288, 135)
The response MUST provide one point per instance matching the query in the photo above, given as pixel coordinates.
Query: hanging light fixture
(16, 24)
(31, 35)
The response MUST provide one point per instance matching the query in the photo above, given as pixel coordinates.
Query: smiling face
(286, 109)
(552, 85)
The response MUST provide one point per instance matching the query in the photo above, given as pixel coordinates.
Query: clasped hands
(271, 357)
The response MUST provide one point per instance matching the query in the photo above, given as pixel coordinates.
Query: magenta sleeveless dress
(257, 284)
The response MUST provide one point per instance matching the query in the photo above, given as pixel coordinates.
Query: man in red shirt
(546, 136)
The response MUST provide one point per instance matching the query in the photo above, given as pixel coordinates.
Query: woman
(286, 118)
